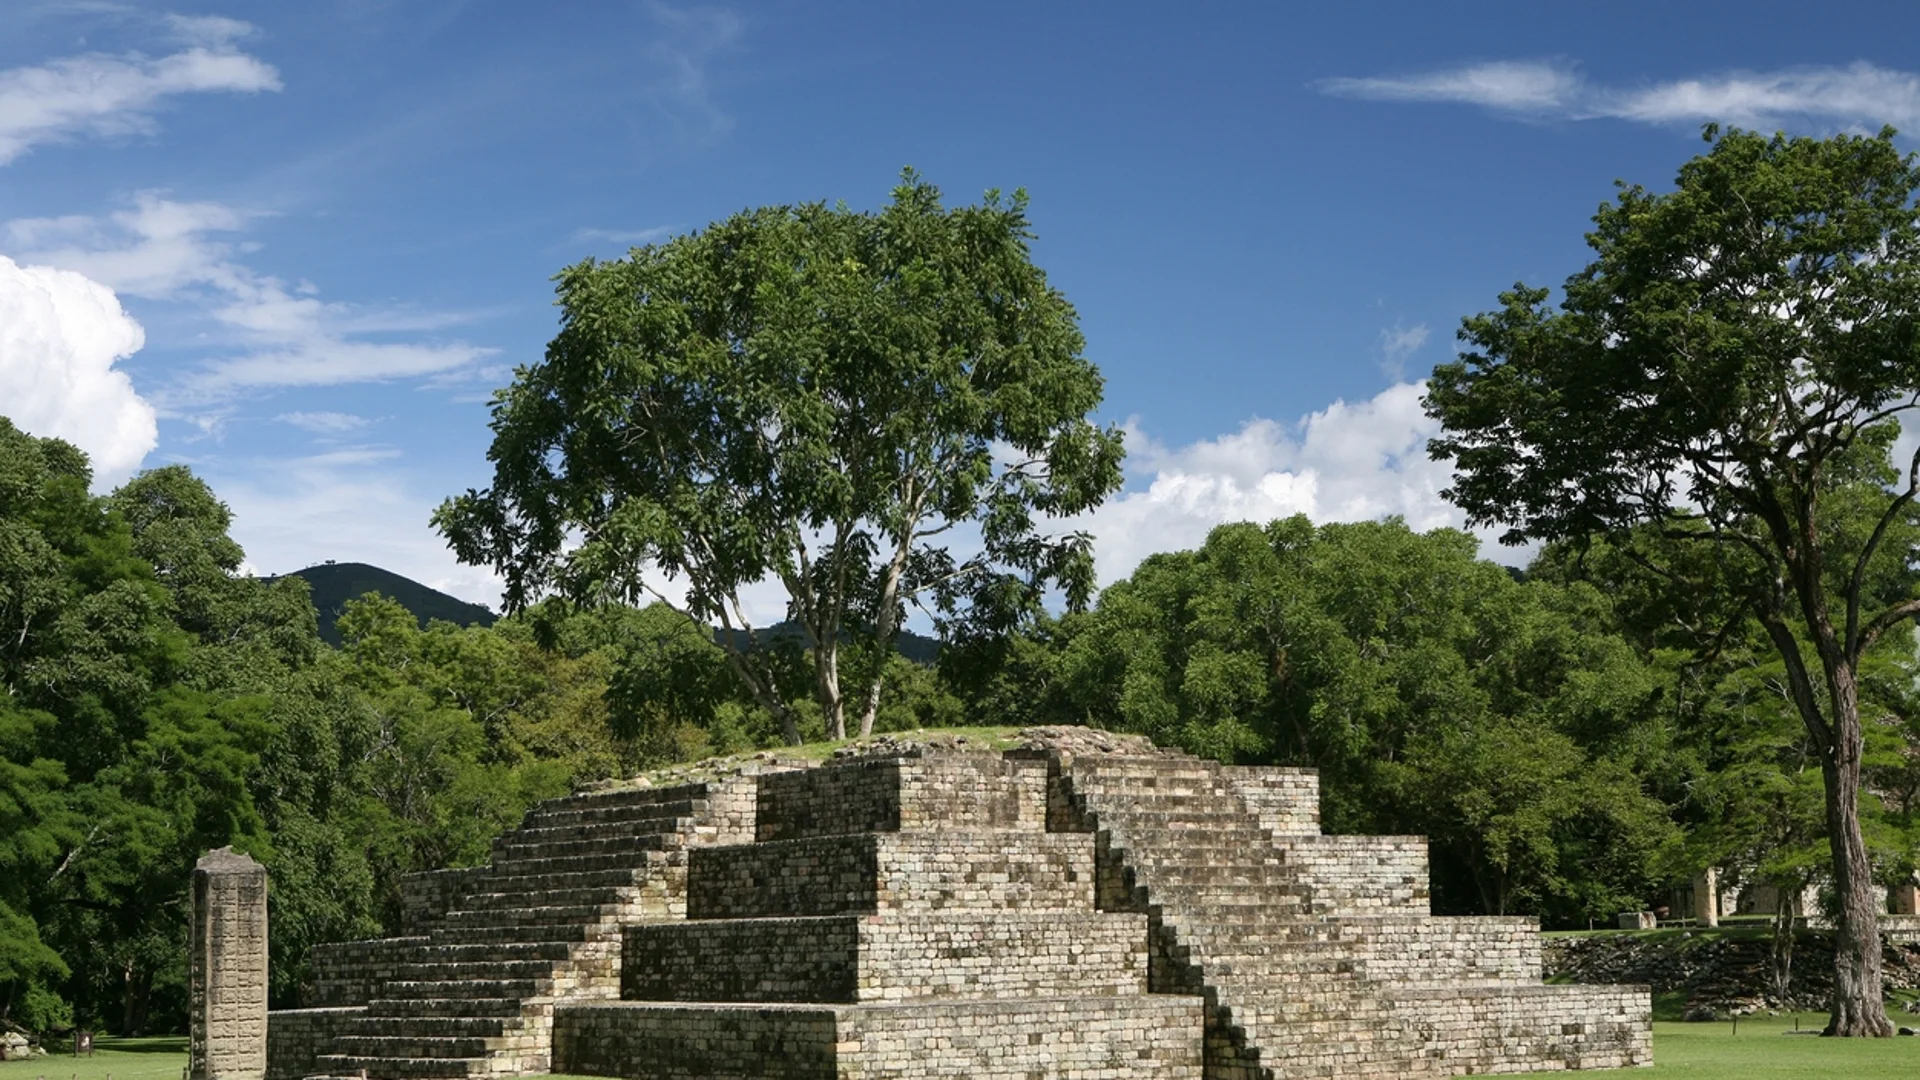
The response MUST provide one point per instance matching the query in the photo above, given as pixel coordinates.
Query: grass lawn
(1693, 1051)
(157, 1057)
(1712, 1051)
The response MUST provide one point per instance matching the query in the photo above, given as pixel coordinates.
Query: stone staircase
(908, 918)
(1053, 912)
(1317, 955)
(471, 991)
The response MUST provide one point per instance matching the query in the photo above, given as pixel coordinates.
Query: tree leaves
(816, 396)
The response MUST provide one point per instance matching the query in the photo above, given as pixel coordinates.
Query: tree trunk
(1783, 913)
(826, 671)
(1858, 1005)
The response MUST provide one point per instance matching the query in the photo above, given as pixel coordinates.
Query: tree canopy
(1731, 371)
(875, 409)
(1434, 692)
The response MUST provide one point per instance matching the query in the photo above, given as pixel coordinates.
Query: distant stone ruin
(1081, 906)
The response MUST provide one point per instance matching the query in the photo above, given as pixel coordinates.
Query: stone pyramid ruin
(1083, 906)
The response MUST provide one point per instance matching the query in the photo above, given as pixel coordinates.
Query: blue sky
(296, 246)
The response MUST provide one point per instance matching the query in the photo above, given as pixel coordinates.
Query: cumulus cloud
(1859, 95)
(280, 335)
(60, 336)
(1347, 462)
(102, 95)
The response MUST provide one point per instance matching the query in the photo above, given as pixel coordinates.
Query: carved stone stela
(227, 983)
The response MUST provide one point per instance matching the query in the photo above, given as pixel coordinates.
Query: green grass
(1711, 1051)
(1760, 1049)
(987, 738)
(157, 1057)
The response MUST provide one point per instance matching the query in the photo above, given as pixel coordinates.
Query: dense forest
(1559, 734)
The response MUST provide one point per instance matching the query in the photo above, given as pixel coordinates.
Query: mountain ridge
(333, 584)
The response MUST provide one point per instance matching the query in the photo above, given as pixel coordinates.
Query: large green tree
(875, 409)
(1731, 368)
(1435, 694)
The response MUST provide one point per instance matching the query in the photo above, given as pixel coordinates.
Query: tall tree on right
(1731, 371)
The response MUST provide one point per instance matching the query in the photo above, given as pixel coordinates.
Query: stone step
(385, 1068)
(451, 1007)
(1156, 803)
(541, 915)
(1247, 871)
(645, 817)
(468, 987)
(485, 951)
(540, 866)
(417, 1046)
(522, 931)
(514, 881)
(1237, 826)
(598, 888)
(437, 1026)
(846, 958)
(1224, 917)
(510, 849)
(534, 919)
(621, 797)
(952, 870)
(444, 970)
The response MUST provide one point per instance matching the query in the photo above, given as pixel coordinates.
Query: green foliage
(1730, 372)
(816, 395)
(1434, 693)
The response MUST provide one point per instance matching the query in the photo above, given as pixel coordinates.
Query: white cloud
(96, 94)
(1397, 342)
(687, 42)
(1347, 462)
(352, 505)
(622, 236)
(324, 423)
(1859, 95)
(285, 335)
(1509, 85)
(290, 514)
(60, 335)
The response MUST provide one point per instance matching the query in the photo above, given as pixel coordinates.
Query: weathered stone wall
(427, 896)
(227, 978)
(349, 972)
(883, 872)
(849, 959)
(954, 791)
(1087, 1039)
(1723, 973)
(1533, 1028)
(297, 1037)
(1359, 874)
(1286, 801)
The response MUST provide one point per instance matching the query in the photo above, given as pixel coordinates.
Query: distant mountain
(916, 647)
(333, 584)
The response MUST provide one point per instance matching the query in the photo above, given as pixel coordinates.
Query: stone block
(227, 969)
(845, 958)
(876, 873)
